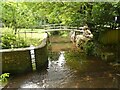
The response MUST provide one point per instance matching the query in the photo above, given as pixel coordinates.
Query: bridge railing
(48, 28)
(59, 27)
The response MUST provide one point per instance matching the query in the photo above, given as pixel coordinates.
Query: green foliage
(17, 15)
(7, 40)
(55, 33)
(11, 41)
(64, 34)
(76, 61)
(75, 55)
(102, 13)
(90, 48)
(26, 14)
(3, 77)
(98, 15)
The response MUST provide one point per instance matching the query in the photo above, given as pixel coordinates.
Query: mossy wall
(17, 61)
(41, 57)
(110, 37)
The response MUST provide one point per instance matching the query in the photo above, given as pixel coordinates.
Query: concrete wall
(17, 61)
(41, 57)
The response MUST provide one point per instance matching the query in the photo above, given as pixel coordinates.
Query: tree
(17, 15)
(27, 14)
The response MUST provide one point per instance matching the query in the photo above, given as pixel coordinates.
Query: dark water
(66, 70)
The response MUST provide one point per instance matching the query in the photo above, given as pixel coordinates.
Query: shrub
(9, 40)
(90, 48)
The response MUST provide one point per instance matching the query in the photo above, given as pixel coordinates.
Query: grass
(31, 37)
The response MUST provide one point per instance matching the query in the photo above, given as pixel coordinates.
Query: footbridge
(56, 27)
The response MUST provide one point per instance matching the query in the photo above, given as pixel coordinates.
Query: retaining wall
(41, 57)
(16, 61)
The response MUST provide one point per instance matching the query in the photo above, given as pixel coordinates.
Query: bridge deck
(51, 30)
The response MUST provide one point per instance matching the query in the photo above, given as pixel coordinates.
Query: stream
(78, 72)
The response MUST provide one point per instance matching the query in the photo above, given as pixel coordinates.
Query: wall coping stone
(43, 43)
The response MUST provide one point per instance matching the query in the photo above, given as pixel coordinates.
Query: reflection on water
(59, 62)
(53, 77)
(66, 73)
(68, 70)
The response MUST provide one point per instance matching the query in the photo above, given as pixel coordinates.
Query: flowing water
(65, 71)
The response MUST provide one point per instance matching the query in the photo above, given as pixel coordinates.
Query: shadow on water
(84, 64)
(90, 72)
(69, 69)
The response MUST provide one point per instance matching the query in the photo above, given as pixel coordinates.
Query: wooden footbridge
(56, 27)
(53, 27)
